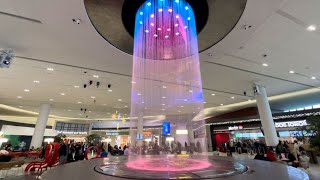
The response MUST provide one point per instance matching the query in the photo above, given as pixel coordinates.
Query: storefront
(74, 132)
(288, 127)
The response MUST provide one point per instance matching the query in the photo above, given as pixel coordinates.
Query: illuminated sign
(147, 133)
(232, 128)
(112, 134)
(166, 128)
(139, 136)
(72, 133)
(182, 131)
(291, 124)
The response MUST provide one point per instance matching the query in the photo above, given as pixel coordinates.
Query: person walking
(63, 152)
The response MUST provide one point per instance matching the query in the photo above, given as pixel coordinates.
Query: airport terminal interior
(159, 89)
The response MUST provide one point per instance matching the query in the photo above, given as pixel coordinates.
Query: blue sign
(139, 136)
(166, 128)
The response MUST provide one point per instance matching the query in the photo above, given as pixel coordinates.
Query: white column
(38, 133)
(90, 129)
(266, 116)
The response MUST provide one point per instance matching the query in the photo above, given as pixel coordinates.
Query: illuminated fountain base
(170, 167)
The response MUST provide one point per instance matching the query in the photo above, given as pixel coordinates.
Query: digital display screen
(139, 137)
(166, 128)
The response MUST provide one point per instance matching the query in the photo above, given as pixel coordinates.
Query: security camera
(109, 85)
(6, 57)
(246, 27)
(85, 86)
(90, 82)
(245, 93)
(98, 84)
(78, 21)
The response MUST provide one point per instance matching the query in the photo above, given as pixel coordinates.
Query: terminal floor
(314, 171)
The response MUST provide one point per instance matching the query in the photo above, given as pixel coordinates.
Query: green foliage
(58, 138)
(93, 139)
(13, 140)
(314, 122)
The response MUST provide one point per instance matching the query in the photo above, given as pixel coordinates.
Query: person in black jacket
(63, 153)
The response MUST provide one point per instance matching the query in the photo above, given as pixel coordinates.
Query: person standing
(295, 150)
(63, 152)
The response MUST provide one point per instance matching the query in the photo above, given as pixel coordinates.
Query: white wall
(24, 131)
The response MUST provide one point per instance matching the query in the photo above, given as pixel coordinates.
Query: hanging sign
(233, 128)
(291, 124)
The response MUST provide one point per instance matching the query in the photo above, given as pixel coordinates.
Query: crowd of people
(295, 155)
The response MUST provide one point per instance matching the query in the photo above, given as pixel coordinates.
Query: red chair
(89, 150)
(51, 159)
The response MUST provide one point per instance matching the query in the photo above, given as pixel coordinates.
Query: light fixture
(186, 7)
(159, 29)
(265, 64)
(199, 108)
(110, 90)
(26, 90)
(163, 104)
(79, 102)
(139, 94)
(155, 35)
(140, 22)
(142, 102)
(204, 102)
(119, 99)
(133, 82)
(95, 76)
(177, 33)
(170, 10)
(19, 97)
(76, 86)
(36, 81)
(152, 15)
(62, 94)
(147, 31)
(169, 29)
(313, 78)
(190, 91)
(213, 94)
(164, 87)
(104, 104)
(221, 104)
(160, 10)
(51, 100)
(185, 100)
(291, 72)
(166, 36)
(163, 109)
(193, 112)
(176, 25)
(92, 97)
(125, 106)
(179, 111)
(89, 111)
(20, 106)
(182, 106)
(185, 27)
(177, 1)
(48, 140)
(50, 69)
(177, 16)
(189, 18)
(141, 13)
(149, 4)
(152, 24)
(163, 97)
(311, 28)
(232, 97)
(69, 110)
(249, 100)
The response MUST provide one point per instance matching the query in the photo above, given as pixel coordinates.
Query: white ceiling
(278, 30)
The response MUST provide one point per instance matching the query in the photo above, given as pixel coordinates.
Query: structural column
(140, 129)
(266, 116)
(40, 128)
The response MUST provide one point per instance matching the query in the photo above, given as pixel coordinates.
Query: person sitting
(126, 151)
(32, 148)
(271, 156)
(104, 153)
(4, 156)
(304, 160)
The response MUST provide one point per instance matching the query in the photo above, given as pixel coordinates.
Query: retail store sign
(112, 134)
(233, 128)
(291, 124)
(72, 133)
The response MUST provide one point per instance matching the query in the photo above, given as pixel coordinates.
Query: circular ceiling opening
(114, 20)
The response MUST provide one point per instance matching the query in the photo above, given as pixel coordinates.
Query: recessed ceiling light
(119, 99)
(163, 109)
(36, 81)
(50, 99)
(313, 77)
(76, 86)
(110, 90)
(249, 100)
(179, 111)
(190, 91)
(92, 97)
(204, 102)
(79, 102)
(95, 76)
(311, 28)
(125, 106)
(221, 104)
(291, 72)
(62, 94)
(50, 69)
(185, 100)
(170, 10)
(163, 104)
(80, 114)
(213, 94)
(265, 64)
(163, 97)
(182, 106)
(69, 110)
(142, 102)
(19, 97)
(199, 108)
(89, 111)
(104, 104)
(232, 97)
(139, 94)
(26, 90)
(20, 106)
(133, 82)
(164, 87)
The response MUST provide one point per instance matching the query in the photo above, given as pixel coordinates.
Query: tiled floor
(17, 174)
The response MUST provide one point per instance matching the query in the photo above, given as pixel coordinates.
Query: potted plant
(314, 132)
